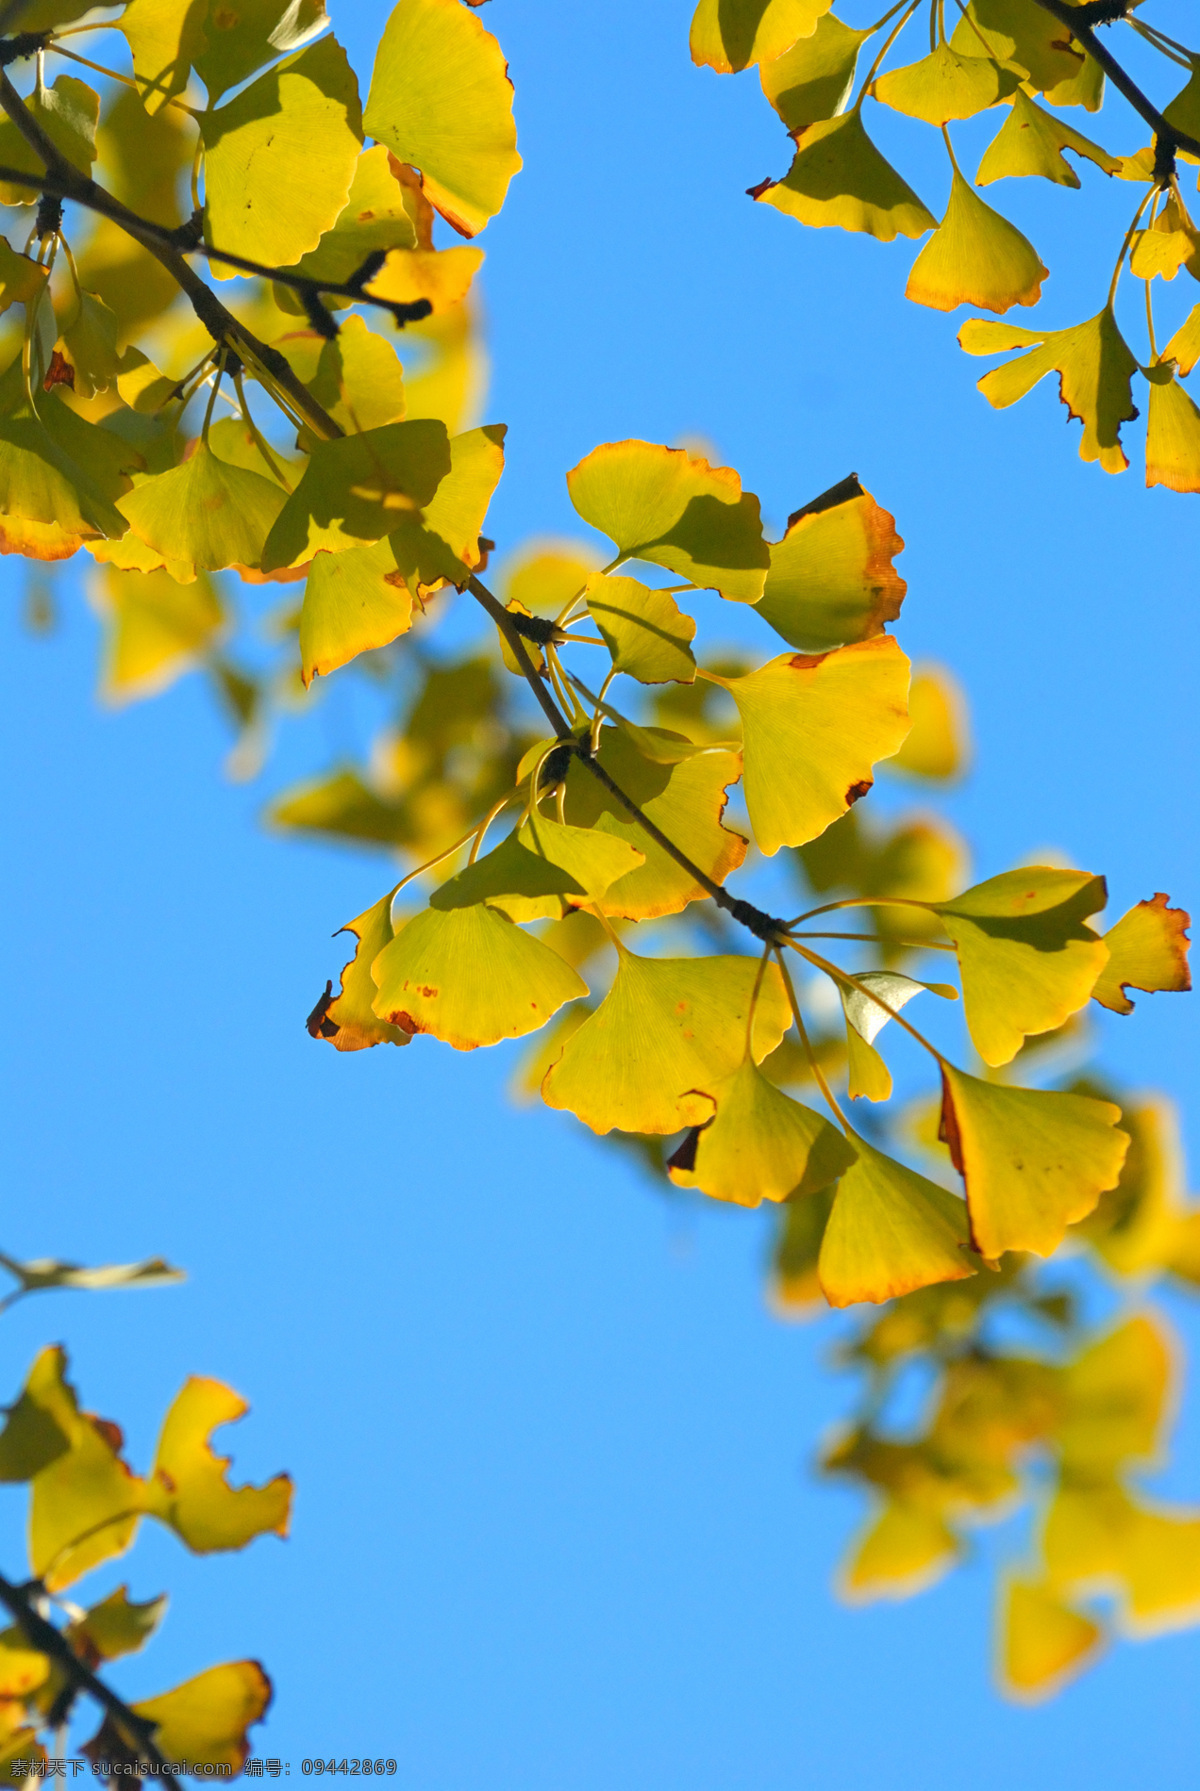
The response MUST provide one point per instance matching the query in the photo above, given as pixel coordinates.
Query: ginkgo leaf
(593, 859)
(85, 1503)
(831, 579)
(117, 1626)
(668, 1029)
(348, 1020)
(760, 1146)
(443, 545)
(538, 868)
(441, 100)
(645, 630)
(1184, 110)
(890, 1231)
(827, 718)
(866, 1018)
(938, 743)
(1184, 346)
(1145, 1221)
(356, 489)
(975, 257)
(90, 344)
(470, 977)
(945, 85)
(38, 1425)
(1172, 432)
(43, 1272)
(1031, 142)
(1115, 1395)
(358, 378)
(659, 504)
(443, 276)
(1171, 242)
(156, 629)
(354, 602)
(813, 80)
(1095, 370)
(50, 504)
(164, 37)
(1033, 1160)
(685, 800)
(20, 278)
(242, 35)
(205, 511)
(906, 1549)
(1019, 32)
(68, 112)
(1028, 959)
(379, 213)
(795, 1291)
(838, 177)
(187, 1488)
(204, 1720)
(730, 35)
(1147, 950)
(547, 574)
(299, 124)
(1044, 1642)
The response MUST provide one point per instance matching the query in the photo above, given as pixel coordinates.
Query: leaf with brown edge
(348, 1020)
(813, 79)
(668, 1029)
(1147, 950)
(831, 579)
(838, 177)
(1095, 370)
(730, 35)
(814, 726)
(1031, 142)
(975, 257)
(890, 1232)
(85, 1502)
(761, 1145)
(1044, 1641)
(1172, 432)
(188, 1489)
(203, 1721)
(1033, 1161)
(117, 1626)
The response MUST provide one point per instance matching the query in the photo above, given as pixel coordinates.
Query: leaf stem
(818, 1072)
(889, 41)
(844, 976)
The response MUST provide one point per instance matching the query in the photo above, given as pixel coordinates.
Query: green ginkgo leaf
(298, 126)
(68, 112)
(50, 504)
(470, 977)
(1172, 432)
(730, 35)
(1033, 1161)
(205, 511)
(975, 257)
(540, 868)
(441, 100)
(242, 35)
(356, 489)
(645, 630)
(593, 859)
(659, 504)
(685, 800)
(814, 726)
(946, 85)
(831, 579)
(204, 1720)
(90, 341)
(813, 80)
(890, 1232)
(188, 1489)
(1028, 959)
(1019, 32)
(1147, 950)
(349, 1021)
(1031, 142)
(838, 177)
(354, 602)
(760, 1146)
(668, 1030)
(1095, 369)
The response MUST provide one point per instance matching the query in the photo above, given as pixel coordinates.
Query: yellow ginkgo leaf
(1031, 142)
(795, 1291)
(1184, 346)
(890, 1231)
(1033, 1160)
(38, 1426)
(205, 511)
(1028, 959)
(1019, 32)
(348, 1020)
(730, 35)
(354, 602)
(1094, 366)
(907, 1548)
(1115, 1396)
(938, 743)
(540, 868)
(20, 278)
(645, 630)
(85, 1503)
(813, 79)
(975, 257)
(668, 1030)
(1171, 242)
(22, 1669)
(659, 504)
(356, 489)
(761, 1146)
(443, 546)
(379, 213)
(831, 579)
(827, 718)
(1147, 950)
(1184, 110)
(866, 1018)
(839, 178)
(1172, 432)
(204, 1720)
(1160, 1564)
(546, 574)
(1145, 1221)
(68, 113)
(187, 1488)
(443, 276)
(357, 377)
(945, 85)
(155, 630)
(1044, 1642)
(50, 502)
(242, 35)
(117, 1626)
(470, 977)
(164, 38)
(442, 101)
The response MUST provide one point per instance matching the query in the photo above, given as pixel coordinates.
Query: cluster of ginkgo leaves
(1019, 60)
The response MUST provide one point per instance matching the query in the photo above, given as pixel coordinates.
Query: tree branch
(46, 1639)
(1085, 33)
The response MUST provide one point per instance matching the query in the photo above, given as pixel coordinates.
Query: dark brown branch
(46, 1639)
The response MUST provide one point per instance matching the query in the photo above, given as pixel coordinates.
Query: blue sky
(555, 1524)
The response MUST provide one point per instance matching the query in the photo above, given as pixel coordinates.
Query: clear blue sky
(554, 1524)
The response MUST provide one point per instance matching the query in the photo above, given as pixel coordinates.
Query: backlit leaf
(1116, 1393)
(813, 80)
(761, 1145)
(188, 1489)
(1019, 31)
(539, 868)
(645, 630)
(90, 342)
(358, 378)
(938, 743)
(356, 489)
(242, 35)
(1044, 1641)
(37, 1427)
(349, 1021)
(838, 177)
(795, 1291)
(205, 511)
(1033, 1160)
(20, 278)
(1184, 346)
(1148, 950)
(22, 1669)
(907, 1548)
(68, 112)
(443, 544)
(827, 718)
(975, 257)
(1028, 959)
(668, 1029)
(865, 1020)
(441, 100)
(117, 1626)
(1031, 142)
(164, 37)
(659, 504)
(1094, 368)
(730, 35)
(831, 578)
(156, 629)
(378, 214)
(1172, 432)
(205, 1719)
(1171, 242)
(85, 1502)
(890, 1231)
(354, 601)
(443, 276)
(945, 85)
(547, 574)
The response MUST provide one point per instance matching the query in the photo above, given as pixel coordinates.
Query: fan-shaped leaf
(938, 743)
(156, 629)
(906, 1549)
(760, 1146)
(356, 489)
(645, 630)
(354, 601)
(839, 177)
(1044, 1641)
(20, 278)
(730, 35)
(813, 80)
(890, 1231)
(205, 511)
(85, 1503)
(975, 257)
(204, 1720)
(1147, 950)
(188, 1490)
(1018, 31)
(349, 1020)
(68, 112)
(242, 35)
(116, 1626)
(1095, 370)
(945, 85)
(831, 579)
(1172, 433)
(379, 213)
(1031, 141)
